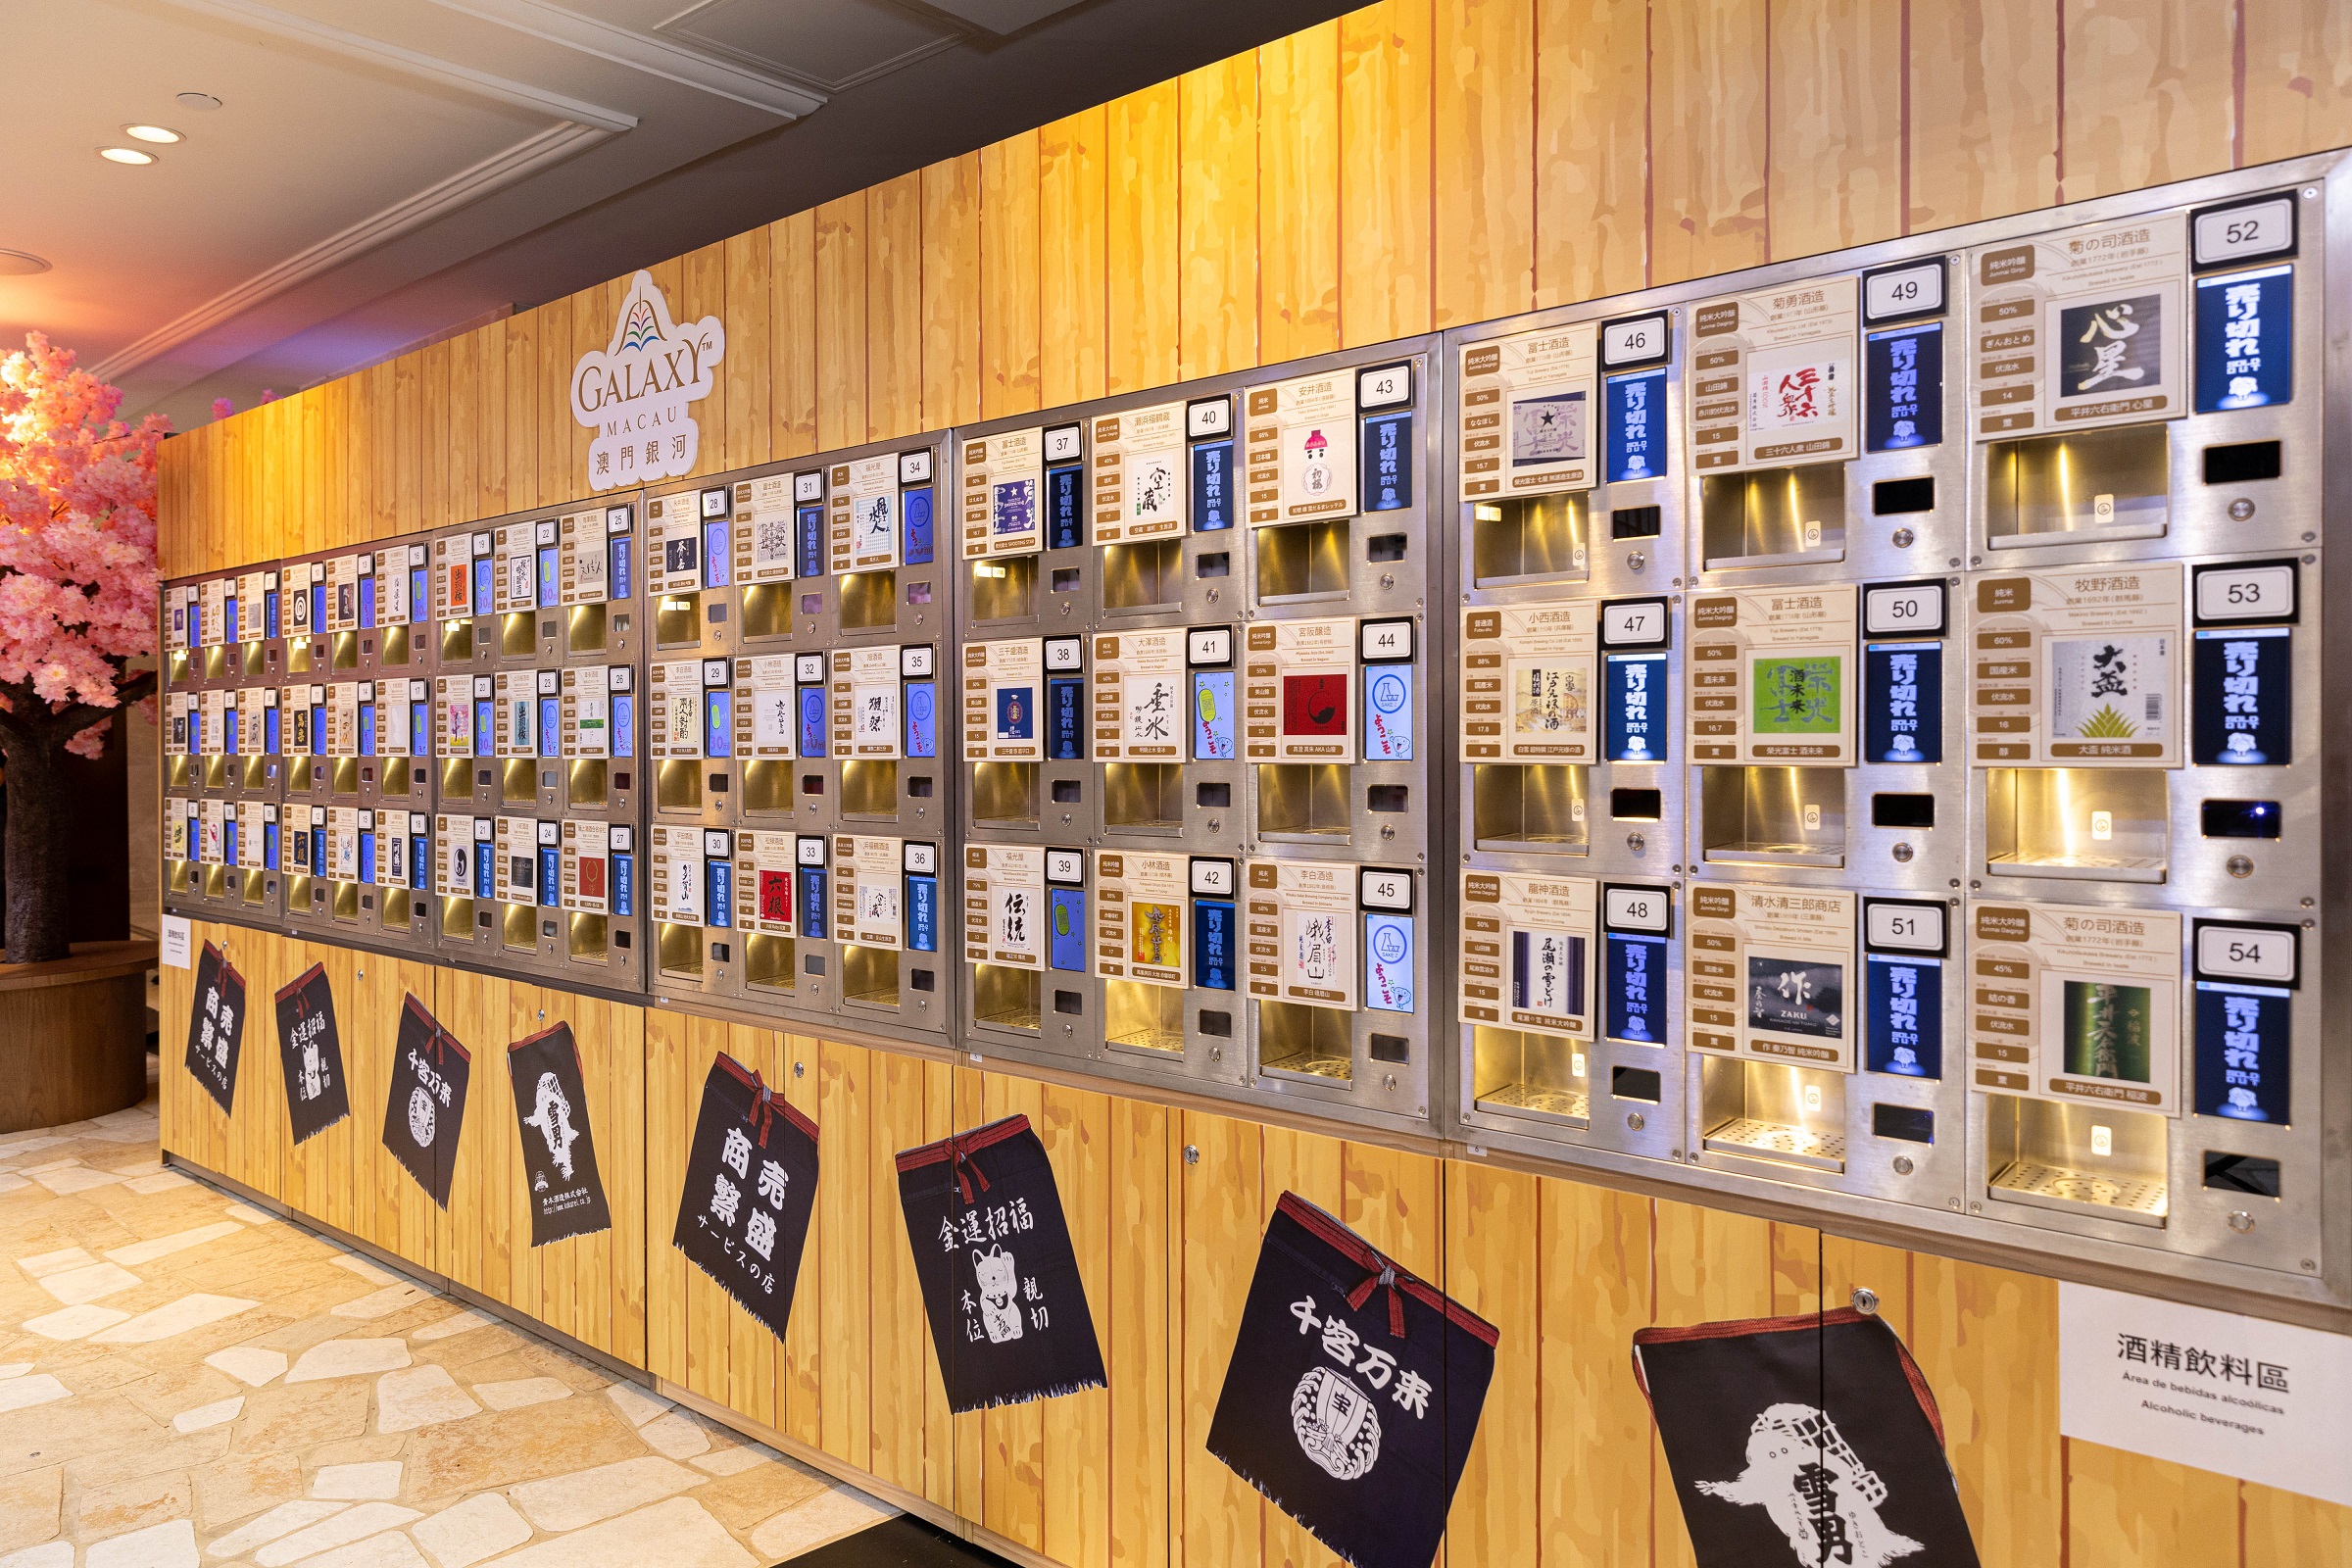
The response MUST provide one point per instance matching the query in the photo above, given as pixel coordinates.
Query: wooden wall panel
(1492, 1222)
(2297, 93)
(1010, 344)
(841, 322)
(1217, 218)
(560, 477)
(1385, 99)
(749, 311)
(1987, 1340)
(2148, 87)
(491, 444)
(702, 292)
(2127, 1511)
(1221, 1217)
(384, 449)
(894, 308)
(844, 1113)
(1707, 138)
(1315, 1168)
(1483, 169)
(1071, 155)
(1837, 129)
(1144, 1233)
(592, 313)
(792, 323)
(1984, 81)
(1594, 1467)
(1591, 148)
(407, 514)
(433, 392)
(799, 1366)
(1298, 194)
(1140, 224)
(952, 293)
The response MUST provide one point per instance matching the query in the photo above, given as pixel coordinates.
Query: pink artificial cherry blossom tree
(78, 604)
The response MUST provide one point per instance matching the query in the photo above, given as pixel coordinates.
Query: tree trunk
(36, 928)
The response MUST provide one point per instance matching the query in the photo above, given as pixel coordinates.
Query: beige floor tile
(38, 1388)
(514, 1393)
(742, 1501)
(676, 1534)
(482, 1526)
(249, 1364)
(219, 1413)
(29, 1506)
(242, 1485)
(675, 1436)
(501, 1448)
(139, 1254)
(279, 1522)
(352, 1483)
(55, 1555)
(127, 1505)
(92, 1281)
(391, 1549)
(585, 1496)
(285, 1417)
(838, 1512)
(344, 1358)
(420, 1397)
(164, 1546)
(340, 1530)
(175, 1318)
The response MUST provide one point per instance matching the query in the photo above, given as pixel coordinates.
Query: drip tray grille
(1168, 1042)
(1011, 1018)
(1569, 1104)
(2082, 867)
(1774, 1140)
(1760, 854)
(1330, 1068)
(2069, 1192)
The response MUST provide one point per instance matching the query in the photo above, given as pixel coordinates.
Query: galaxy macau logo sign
(637, 394)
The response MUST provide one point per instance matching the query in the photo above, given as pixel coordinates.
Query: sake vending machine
(1565, 462)
(2150, 888)
(464, 579)
(836, 761)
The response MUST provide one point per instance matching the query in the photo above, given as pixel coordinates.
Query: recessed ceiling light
(125, 155)
(20, 264)
(162, 135)
(201, 102)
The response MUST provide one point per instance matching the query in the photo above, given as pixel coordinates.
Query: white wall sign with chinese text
(636, 395)
(2267, 1402)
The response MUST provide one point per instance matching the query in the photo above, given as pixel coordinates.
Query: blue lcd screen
(1903, 1032)
(922, 915)
(922, 718)
(1212, 486)
(920, 533)
(817, 739)
(812, 902)
(1066, 945)
(1065, 722)
(1065, 508)
(2242, 1060)
(2245, 340)
(1635, 696)
(719, 723)
(1902, 717)
(1635, 982)
(551, 582)
(809, 534)
(1388, 462)
(1212, 715)
(2244, 682)
(1635, 406)
(1388, 712)
(1212, 944)
(1904, 372)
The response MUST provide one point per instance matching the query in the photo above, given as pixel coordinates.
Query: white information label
(2267, 1402)
(2246, 952)
(1384, 387)
(1908, 292)
(1378, 640)
(1378, 889)
(1907, 927)
(1067, 866)
(1907, 608)
(2245, 593)
(1636, 909)
(1214, 417)
(179, 936)
(1634, 623)
(1208, 645)
(1214, 879)
(1632, 342)
(2243, 233)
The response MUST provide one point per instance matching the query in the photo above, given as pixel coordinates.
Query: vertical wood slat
(1140, 227)
(2148, 93)
(1217, 217)
(560, 477)
(952, 293)
(1987, 1340)
(841, 328)
(1298, 194)
(750, 346)
(592, 314)
(893, 294)
(1591, 149)
(2298, 88)
(1386, 87)
(1983, 83)
(1010, 345)
(1071, 155)
(1483, 169)
(705, 294)
(1836, 131)
(1708, 134)
(792, 328)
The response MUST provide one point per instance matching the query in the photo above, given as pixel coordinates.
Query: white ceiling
(382, 170)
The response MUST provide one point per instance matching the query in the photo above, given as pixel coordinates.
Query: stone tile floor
(186, 1380)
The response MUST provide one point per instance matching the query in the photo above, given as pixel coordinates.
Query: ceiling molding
(358, 46)
(493, 174)
(637, 51)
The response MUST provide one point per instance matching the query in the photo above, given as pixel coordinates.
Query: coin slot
(2243, 462)
(2240, 820)
(1215, 1023)
(1895, 498)
(1636, 805)
(1068, 791)
(2241, 1173)
(1388, 798)
(1636, 522)
(920, 786)
(1215, 797)
(1388, 1047)
(1913, 1124)
(1637, 1083)
(1384, 547)
(1902, 811)
(1213, 564)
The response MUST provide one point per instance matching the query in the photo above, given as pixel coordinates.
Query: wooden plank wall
(1413, 165)
(1166, 1208)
